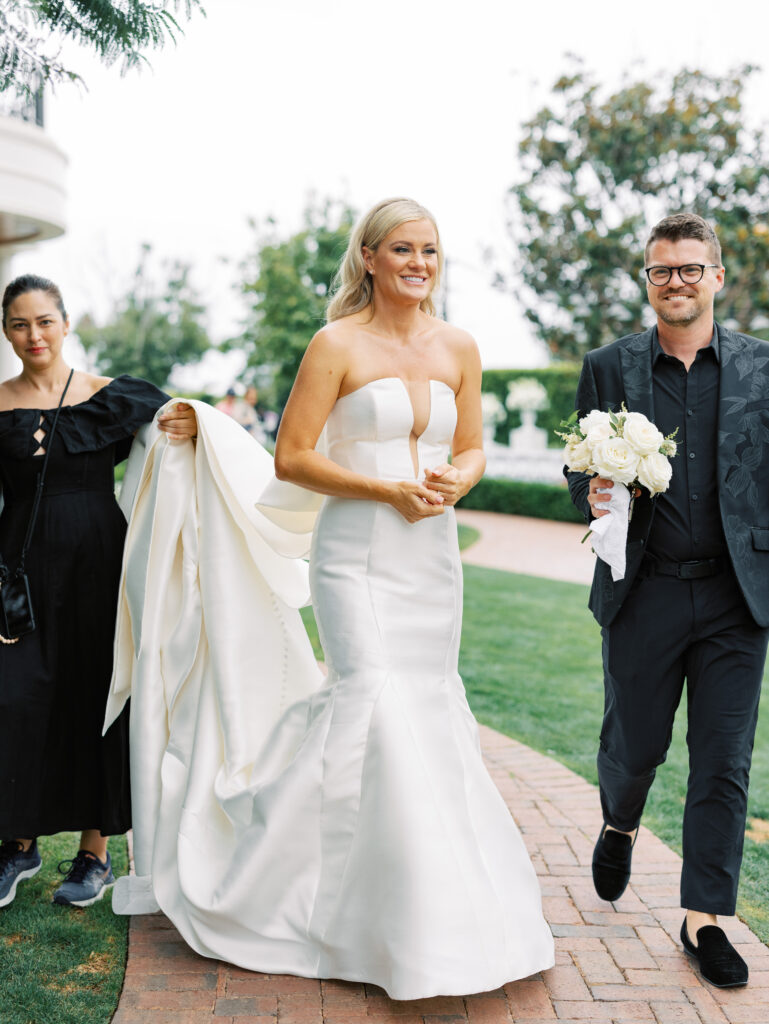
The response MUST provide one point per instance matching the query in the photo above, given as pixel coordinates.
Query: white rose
(641, 434)
(578, 457)
(654, 472)
(593, 419)
(669, 447)
(599, 433)
(615, 459)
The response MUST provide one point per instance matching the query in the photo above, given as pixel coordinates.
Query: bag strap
(41, 477)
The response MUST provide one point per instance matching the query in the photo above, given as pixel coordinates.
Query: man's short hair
(685, 225)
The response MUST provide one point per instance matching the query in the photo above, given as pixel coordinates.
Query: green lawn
(61, 965)
(531, 662)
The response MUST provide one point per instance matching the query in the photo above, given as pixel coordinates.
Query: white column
(10, 365)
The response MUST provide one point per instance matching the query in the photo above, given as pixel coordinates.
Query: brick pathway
(616, 963)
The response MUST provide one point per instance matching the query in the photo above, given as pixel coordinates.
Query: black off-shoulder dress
(57, 773)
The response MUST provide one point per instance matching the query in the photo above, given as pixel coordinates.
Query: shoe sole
(11, 894)
(83, 903)
(715, 984)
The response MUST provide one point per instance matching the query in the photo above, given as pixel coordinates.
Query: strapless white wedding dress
(422, 883)
(367, 841)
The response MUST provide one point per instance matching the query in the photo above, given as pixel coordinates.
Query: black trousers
(667, 631)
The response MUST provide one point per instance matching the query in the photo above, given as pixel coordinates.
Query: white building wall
(32, 201)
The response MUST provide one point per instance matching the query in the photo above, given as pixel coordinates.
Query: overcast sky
(265, 101)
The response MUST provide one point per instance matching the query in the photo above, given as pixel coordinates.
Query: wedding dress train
(360, 837)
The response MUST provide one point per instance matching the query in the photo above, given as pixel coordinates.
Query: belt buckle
(694, 569)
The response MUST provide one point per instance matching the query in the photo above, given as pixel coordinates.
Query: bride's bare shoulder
(458, 340)
(453, 334)
(343, 329)
(337, 336)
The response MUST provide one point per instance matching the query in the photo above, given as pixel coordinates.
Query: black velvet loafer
(611, 863)
(718, 960)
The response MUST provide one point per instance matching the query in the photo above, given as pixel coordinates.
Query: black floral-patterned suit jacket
(622, 372)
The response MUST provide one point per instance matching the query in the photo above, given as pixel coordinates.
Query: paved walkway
(535, 547)
(617, 963)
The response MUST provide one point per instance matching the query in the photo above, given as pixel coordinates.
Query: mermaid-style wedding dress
(369, 842)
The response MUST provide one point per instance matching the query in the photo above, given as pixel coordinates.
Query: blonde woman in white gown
(339, 828)
(420, 880)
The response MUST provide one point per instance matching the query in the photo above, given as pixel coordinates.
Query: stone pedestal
(528, 437)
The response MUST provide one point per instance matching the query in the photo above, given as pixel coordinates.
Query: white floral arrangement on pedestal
(626, 448)
(526, 394)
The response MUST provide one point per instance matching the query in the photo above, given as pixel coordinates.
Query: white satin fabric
(357, 834)
(211, 649)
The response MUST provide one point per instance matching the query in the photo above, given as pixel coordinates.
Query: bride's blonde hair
(353, 285)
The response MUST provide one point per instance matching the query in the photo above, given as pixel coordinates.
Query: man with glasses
(694, 603)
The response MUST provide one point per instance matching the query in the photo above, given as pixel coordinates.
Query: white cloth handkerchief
(610, 532)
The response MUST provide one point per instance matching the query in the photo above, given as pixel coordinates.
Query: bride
(364, 840)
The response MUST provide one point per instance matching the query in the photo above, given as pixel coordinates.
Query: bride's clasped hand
(441, 489)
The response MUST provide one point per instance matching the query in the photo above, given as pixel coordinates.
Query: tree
(599, 170)
(32, 33)
(286, 282)
(152, 330)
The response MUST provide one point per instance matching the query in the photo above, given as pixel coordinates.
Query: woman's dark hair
(31, 283)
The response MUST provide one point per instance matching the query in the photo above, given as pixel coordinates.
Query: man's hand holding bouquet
(617, 448)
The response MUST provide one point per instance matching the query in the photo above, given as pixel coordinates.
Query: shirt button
(690, 412)
(695, 497)
(691, 455)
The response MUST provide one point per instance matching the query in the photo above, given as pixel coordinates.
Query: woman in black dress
(57, 773)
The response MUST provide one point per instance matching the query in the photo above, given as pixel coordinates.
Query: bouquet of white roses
(626, 448)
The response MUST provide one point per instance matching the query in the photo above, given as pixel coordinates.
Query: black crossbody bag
(17, 616)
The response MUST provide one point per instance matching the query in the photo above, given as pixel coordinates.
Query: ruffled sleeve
(16, 429)
(111, 416)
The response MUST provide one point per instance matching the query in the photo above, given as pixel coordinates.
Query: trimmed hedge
(522, 498)
(560, 381)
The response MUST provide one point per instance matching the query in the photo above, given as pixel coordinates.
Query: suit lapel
(636, 363)
(731, 402)
(636, 360)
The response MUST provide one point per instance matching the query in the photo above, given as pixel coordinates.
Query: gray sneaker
(87, 880)
(15, 865)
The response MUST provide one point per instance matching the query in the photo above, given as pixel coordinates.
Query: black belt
(696, 569)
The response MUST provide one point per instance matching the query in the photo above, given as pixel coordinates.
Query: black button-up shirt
(687, 519)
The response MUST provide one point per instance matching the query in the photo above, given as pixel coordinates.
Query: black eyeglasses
(690, 273)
